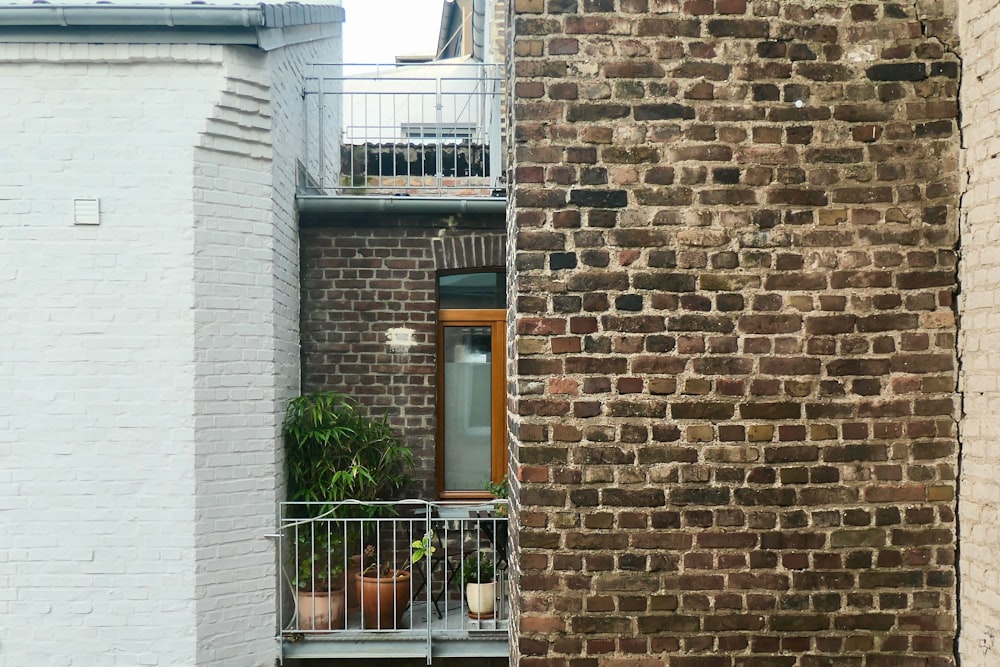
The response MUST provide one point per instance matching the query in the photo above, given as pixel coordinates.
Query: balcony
(340, 549)
(428, 130)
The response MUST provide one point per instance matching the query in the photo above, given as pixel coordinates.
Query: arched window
(471, 388)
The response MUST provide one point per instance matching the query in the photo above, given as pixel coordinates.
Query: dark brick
(562, 260)
(699, 496)
(897, 72)
(665, 282)
(770, 324)
(780, 410)
(737, 28)
(632, 497)
(599, 198)
(669, 27)
(858, 367)
(702, 410)
(797, 197)
(667, 111)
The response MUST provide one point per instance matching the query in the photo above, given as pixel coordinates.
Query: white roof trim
(267, 26)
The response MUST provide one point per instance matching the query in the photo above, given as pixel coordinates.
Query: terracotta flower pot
(480, 598)
(384, 599)
(352, 583)
(321, 610)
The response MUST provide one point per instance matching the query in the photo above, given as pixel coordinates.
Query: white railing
(429, 129)
(348, 572)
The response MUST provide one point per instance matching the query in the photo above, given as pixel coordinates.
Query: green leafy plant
(319, 556)
(419, 549)
(501, 491)
(334, 452)
(479, 568)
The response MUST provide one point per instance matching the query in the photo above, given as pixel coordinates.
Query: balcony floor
(452, 635)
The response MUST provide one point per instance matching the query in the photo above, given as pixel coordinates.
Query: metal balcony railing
(432, 129)
(389, 579)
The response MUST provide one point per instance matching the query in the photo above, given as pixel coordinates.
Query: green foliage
(419, 549)
(319, 550)
(479, 568)
(333, 452)
(500, 491)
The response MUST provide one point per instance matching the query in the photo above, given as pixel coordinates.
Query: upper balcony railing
(431, 129)
(362, 580)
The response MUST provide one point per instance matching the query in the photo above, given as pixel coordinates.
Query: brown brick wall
(366, 274)
(733, 409)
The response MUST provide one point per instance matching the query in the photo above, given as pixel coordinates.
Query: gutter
(267, 26)
(479, 30)
(130, 16)
(402, 205)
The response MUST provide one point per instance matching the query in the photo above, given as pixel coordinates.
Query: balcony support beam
(405, 205)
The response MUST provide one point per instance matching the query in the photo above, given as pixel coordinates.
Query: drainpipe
(479, 30)
(130, 16)
(404, 205)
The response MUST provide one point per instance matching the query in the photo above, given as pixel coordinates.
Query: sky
(377, 31)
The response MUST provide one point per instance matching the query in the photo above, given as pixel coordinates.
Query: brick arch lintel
(470, 251)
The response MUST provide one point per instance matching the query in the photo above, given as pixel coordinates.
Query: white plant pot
(480, 599)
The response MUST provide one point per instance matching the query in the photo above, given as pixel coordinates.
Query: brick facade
(363, 276)
(732, 400)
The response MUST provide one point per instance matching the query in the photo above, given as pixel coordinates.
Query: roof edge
(265, 25)
(263, 15)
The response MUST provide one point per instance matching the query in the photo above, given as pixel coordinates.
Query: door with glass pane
(471, 389)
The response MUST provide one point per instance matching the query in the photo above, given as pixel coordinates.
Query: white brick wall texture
(979, 303)
(97, 417)
(145, 362)
(246, 330)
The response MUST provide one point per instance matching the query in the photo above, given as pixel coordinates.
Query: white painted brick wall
(145, 363)
(247, 301)
(97, 354)
(979, 497)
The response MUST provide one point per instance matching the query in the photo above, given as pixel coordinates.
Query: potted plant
(319, 577)
(479, 577)
(336, 452)
(385, 589)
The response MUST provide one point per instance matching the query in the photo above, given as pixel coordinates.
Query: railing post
(321, 138)
(439, 121)
(496, 149)
(428, 571)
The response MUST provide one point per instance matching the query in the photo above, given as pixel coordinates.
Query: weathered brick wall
(733, 415)
(979, 343)
(362, 276)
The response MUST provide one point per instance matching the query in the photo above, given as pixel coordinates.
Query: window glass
(472, 290)
(467, 408)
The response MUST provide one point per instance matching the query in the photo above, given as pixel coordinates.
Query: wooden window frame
(496, 319)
